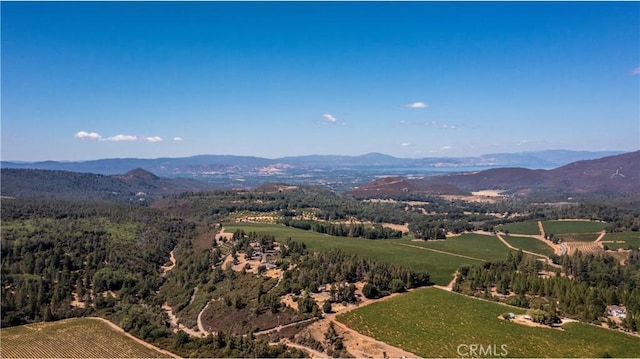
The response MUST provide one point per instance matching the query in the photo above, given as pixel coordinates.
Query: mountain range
(611, 175)
(203, 165)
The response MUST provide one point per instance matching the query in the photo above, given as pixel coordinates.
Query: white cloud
(153, 139)
(329, 118)
(405, 144)
(445, 148)
(636, 71)
(122, 138)
(417, 105)
(83, 135)
(178, 139)
(443, 126)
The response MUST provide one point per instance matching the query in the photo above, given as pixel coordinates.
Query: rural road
(200, 326)
(140, 341)
(166, 269)
(397, 352)
(313, 353)
(279, 327)
(541, 228)
(547, 259)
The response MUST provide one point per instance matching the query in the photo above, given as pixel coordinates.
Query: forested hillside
(56, 251)
(65, 259)
(136, 186)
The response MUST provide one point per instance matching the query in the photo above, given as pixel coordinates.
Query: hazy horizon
(89, 80)
(308, 155)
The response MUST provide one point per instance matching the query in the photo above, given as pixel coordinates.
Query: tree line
(587, 286)
(375, 231)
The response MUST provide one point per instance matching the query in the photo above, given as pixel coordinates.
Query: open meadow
(440, 266)
(433, 323)
(72, 338)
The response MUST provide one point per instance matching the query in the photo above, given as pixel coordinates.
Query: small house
(617, 311)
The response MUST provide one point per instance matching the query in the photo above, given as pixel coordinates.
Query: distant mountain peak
(139, 173)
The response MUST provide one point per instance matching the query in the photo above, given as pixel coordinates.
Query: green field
(433, 323)
(629, 238)
(488, 248)
(530, 228)
(579, 237)
(71, 338)
(565, 227)
(440, 266)
(529, 244)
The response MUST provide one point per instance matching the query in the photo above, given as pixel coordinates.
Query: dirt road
(547, 259)
(140, 341)
(439, 251)
(166, 269)
(313, 353)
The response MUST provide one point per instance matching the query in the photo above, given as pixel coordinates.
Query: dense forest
(55, 251)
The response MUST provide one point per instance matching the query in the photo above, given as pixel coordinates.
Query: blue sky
(101, 80)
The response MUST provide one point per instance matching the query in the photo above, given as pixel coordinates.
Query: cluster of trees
(427, 229)
(375, 231)
(252, 243)
(313, 270)
(149, 324)
(590, 285)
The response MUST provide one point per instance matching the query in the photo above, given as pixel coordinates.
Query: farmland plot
(72, 338)
(435, 323)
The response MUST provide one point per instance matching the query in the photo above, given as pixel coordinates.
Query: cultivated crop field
(71, 338)
(430, 322)
(473, 245)
(530, 228)
(564, 227)
(579, 237)
(529, 244)
(402, 252)
(629, 238)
